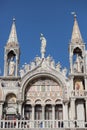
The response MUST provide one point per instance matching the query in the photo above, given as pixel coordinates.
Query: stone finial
(64, 71)
(58, 66)
(13, 34)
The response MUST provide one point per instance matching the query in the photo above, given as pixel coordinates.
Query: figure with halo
(43, 45)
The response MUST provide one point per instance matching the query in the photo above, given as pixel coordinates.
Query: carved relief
(79, 88)
(79, 85)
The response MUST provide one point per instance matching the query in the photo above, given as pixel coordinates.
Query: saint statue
(11, 67)
(78, 64)
(43, 45)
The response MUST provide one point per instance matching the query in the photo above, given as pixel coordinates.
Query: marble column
(86, 84)
(53, 114)
(65, 114)
(72, 106)
(33, 112)
(20, 108)
(71, 62)
(65, 111)
(86, 108)
(72, 109)
(1, 112)
(16, 68)
(43, 114)
(5, 65)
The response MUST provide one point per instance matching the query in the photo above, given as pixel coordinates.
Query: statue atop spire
(43, 46)
(13, 34)
(74, 14)
(76, 35)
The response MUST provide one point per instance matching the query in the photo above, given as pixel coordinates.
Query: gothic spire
(13, 34)
(76, 35)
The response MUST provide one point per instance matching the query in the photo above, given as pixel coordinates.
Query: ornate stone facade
(42, 90)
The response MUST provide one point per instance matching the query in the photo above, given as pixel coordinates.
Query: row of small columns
(65, 110)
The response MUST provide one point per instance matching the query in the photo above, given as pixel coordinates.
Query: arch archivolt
(38, 101)
(46, 101)
(11, 51)
(79, 47)
(10, 98)
(43, 92)
(42, 81)
(43, 88)
(58, 101)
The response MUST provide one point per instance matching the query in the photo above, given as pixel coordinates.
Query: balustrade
(79, 93)
(26, 124)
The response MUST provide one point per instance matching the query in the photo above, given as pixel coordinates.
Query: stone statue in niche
(78, 64)
(43, 45)
(11, 66)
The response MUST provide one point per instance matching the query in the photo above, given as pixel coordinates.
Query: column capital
(85, 76)
(73, 99)
(65, 102)
(1, 103)
(19, 102)
(85, 99)
(33, 105)
(71, 76)
(53, 105)
(43, 105)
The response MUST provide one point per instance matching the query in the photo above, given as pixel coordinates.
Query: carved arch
(10, 98)
(29, 77)
(77, 50)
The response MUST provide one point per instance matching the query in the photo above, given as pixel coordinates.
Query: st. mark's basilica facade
(42, 94)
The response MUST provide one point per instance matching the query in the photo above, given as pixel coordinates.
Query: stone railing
(79, 93)
(28, 124)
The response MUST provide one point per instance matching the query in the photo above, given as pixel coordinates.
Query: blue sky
(51, 17)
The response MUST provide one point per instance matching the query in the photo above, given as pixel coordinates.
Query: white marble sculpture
(43, 46)
(11, 67)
